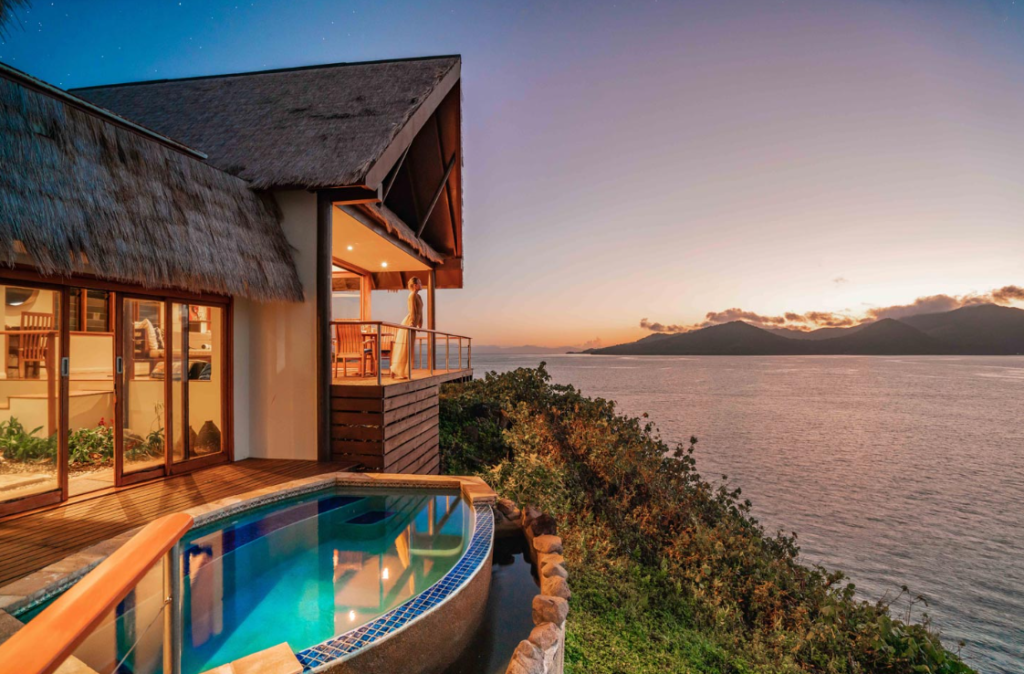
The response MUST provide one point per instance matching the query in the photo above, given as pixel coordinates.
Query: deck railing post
(460, 353)
(412, 351)
(447, 341)
(377, 347)
(431, 351)
(469, 356)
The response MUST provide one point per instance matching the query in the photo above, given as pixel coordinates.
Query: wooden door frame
(120, 478)
(227, 438)
(59, 492)
(22, 275)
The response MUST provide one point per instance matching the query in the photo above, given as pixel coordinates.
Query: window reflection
(144, 392)
(29, 391)
(198, 342)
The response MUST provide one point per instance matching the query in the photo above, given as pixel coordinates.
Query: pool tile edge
(349, 644)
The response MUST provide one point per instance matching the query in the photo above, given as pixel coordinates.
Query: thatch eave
(85, 192)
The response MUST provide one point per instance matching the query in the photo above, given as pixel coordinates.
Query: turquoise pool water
(299, 571)
(305, 571)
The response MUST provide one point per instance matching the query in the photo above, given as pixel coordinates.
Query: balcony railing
(88, 623)
(365, 345)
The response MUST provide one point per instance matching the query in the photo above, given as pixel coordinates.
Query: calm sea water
(896, 471)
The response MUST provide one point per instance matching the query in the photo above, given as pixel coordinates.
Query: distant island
(983, 329)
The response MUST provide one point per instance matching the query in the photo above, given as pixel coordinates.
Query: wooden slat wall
(393, 428)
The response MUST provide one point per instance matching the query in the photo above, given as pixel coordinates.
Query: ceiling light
(350, 247)
(385, 574)
(352, 616)
(384, 264)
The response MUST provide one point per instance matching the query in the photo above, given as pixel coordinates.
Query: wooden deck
(30, 541)
(392, 427)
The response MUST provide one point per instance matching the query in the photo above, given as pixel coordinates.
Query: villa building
(187, 266)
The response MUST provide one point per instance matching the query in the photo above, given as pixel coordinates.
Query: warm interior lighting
(352, 616)
(350, 248)
(385, 574)
(384, 264)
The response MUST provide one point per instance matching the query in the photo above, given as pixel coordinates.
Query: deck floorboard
(31, 541)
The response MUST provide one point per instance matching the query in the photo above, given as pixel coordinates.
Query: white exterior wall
(275, 354)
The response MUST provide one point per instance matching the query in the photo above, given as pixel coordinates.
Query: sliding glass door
(142, 366)
(89, 378)
(30, 395)
(101, 388)
(198, 428)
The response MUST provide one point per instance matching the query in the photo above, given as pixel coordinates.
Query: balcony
(385, 416)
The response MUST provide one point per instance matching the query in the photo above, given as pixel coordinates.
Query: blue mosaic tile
(346, 644)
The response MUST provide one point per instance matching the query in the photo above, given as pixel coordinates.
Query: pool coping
(57, 577)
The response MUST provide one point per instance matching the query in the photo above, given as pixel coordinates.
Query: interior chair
(32, 348)
(351, 345)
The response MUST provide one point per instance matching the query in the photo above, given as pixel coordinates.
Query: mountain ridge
(982, 329)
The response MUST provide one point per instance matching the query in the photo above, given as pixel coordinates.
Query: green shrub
(19, 445)
(670, 572)
(85, 445)
(137, 447)
(91, 445)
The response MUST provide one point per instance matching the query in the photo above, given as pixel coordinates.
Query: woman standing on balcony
(400, 353)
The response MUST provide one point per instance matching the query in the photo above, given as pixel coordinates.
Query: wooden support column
(432, 317)
(324, 222)
(365, 297)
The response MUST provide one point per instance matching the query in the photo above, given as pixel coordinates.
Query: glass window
(91, 403)
(203, 365)
(29, 391)
(179, 316)
(143, 384)
(205, 379)
(89, 310)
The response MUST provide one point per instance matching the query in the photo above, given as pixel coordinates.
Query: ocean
(894, 470)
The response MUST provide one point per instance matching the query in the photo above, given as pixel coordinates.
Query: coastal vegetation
(671, 573)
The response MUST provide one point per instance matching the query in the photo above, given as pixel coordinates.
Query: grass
(669, 572)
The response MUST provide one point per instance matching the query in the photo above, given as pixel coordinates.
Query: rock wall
(543, 651)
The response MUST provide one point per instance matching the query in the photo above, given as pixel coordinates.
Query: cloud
(938, 303)
(806, 321)
(840, 280)
(922, 305)
(658, 327)
(1008, 294)
(814, 320)
(594, 343)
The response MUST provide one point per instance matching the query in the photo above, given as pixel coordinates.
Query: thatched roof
(316, 127)
(85, 191)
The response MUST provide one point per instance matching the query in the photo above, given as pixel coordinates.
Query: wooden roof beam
(394, 173)
(437, 194)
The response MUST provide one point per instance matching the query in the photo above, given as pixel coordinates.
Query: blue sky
(657, 159)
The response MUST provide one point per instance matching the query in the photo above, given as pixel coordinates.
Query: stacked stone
(543, 651)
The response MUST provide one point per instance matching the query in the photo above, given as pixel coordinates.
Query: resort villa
(183, 259)
(189, 346)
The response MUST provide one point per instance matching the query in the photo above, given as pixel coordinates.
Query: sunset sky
(657, 160)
